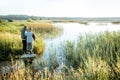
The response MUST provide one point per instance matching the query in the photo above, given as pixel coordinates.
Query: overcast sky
(61, 8)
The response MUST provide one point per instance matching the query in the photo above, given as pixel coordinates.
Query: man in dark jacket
(24, 37)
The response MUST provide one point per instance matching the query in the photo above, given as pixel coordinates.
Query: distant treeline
(19, 17)
(26, 17)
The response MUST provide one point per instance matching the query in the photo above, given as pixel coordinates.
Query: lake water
(71, 31)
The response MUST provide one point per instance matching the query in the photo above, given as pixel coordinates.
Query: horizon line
(57, 16)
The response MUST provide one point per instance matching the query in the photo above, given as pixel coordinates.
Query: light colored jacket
(29, 37)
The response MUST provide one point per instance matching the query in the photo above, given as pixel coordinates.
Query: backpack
(33, 36)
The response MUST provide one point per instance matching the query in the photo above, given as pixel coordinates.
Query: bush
(10, 20)
(29, 20)
(38, 47)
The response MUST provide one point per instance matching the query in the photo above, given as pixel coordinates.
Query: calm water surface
(71, 32)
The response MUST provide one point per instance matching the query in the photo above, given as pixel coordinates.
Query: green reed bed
(97, 56)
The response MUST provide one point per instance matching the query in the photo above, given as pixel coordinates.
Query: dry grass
(45, 29)
(40, 25)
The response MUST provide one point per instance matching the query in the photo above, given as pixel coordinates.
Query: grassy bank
(11, 46)
(95, 57)
(10, 40)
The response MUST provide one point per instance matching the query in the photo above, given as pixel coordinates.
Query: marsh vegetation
(92, 57)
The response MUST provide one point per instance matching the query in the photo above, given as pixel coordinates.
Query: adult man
(23, 36)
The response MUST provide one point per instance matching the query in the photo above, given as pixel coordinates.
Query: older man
(24, 38)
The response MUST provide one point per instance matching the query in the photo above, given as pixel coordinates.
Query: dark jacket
(23, 35)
